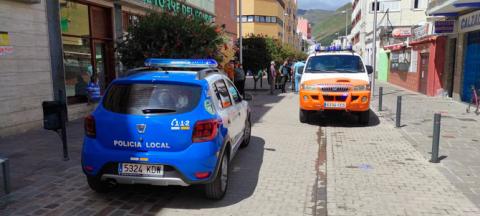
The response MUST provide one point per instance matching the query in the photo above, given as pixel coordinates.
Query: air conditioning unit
(29, 1)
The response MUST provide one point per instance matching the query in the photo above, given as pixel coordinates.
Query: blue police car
(173, 122)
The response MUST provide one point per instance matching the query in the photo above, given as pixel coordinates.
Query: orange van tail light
(90, 129)
(205, 130)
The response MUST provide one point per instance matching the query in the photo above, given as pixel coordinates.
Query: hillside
(315, 15)
(325, 24)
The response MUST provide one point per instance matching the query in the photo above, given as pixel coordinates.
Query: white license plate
(334, 104)
(140, 169)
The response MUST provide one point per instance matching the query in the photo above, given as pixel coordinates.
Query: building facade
(272, 18)
(459, 22)
(25, 78)
(409, 52)
(55, 60)
(391, 14)
(226, 18)
(304, 31)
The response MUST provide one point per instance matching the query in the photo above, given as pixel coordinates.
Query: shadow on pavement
(244, 172)
(342, 119)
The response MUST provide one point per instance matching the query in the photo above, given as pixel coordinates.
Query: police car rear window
(155, 99)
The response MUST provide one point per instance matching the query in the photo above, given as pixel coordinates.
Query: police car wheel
(247, 133)
(216, 190)
(304, 116)
(98, 185)
(364, 117)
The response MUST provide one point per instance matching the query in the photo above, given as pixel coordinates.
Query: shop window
(87, 48)
(78, 67)
(400, 61)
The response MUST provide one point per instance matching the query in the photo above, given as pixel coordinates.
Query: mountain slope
(325, 24)
(313, 16)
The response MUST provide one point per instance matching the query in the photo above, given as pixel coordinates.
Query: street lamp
(346, 21)
(376, 7)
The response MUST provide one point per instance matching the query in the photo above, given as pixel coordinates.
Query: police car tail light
(90, 129)
(205, 130)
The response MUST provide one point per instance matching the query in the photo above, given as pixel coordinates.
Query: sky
(321, 4)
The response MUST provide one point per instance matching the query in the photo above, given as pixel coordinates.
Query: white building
(391, 14)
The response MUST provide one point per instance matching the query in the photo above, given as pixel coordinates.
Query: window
(257, 18)
(420, 4)
(268, 19)
(244, 18)
(335, 64)
(151, 98)
(234, 92)
(86, 57)
(383, 6)
(400, 61)
(274, 19)
(249, 18)
(222, 94)
(262, 19)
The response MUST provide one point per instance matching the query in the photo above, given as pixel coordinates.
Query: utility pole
(376, 7)
(240, 30)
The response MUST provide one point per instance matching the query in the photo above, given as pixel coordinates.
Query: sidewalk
(460, 134)
(375, 171)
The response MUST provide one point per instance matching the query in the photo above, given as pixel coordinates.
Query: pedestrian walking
(239, 79)
(285, 72)
(271, 76)
(298, 71)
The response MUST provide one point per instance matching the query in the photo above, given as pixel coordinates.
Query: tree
(255, 55)
(169, 35)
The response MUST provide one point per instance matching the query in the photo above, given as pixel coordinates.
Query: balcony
(450, 7)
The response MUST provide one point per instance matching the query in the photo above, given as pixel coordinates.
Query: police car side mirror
(369, 69)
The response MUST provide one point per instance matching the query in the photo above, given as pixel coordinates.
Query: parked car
(174, 122)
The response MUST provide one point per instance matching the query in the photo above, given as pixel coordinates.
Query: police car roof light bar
(332, 48)
(181, 63)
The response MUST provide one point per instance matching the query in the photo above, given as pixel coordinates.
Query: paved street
(280, 173)
(332, 164)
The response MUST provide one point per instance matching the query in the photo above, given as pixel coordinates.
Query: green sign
(178, 7)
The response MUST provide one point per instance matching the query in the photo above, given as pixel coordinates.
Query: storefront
(87, 35)
(419, 64)
(470, 25)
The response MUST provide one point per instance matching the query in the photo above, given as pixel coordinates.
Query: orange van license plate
(334, 105)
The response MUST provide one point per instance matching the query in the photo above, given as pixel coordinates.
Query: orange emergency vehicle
(335, 80)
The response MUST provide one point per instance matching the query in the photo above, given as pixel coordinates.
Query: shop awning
(450, 7)
(423, 40)
(395, 47)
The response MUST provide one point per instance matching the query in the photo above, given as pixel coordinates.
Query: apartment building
(409, 53)
(272, 18)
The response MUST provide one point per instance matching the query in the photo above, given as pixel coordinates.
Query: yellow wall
(270, 8)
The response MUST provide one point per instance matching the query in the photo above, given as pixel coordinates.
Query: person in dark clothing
(240, 79)
(285, 72)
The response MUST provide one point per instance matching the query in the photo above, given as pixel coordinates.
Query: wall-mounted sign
(444, 27)
(420, 31)
(4, 39)
(469, 22)
(179, 7)
(6, 50)
(402, 32)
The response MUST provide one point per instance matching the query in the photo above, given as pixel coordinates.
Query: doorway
(424, 72)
